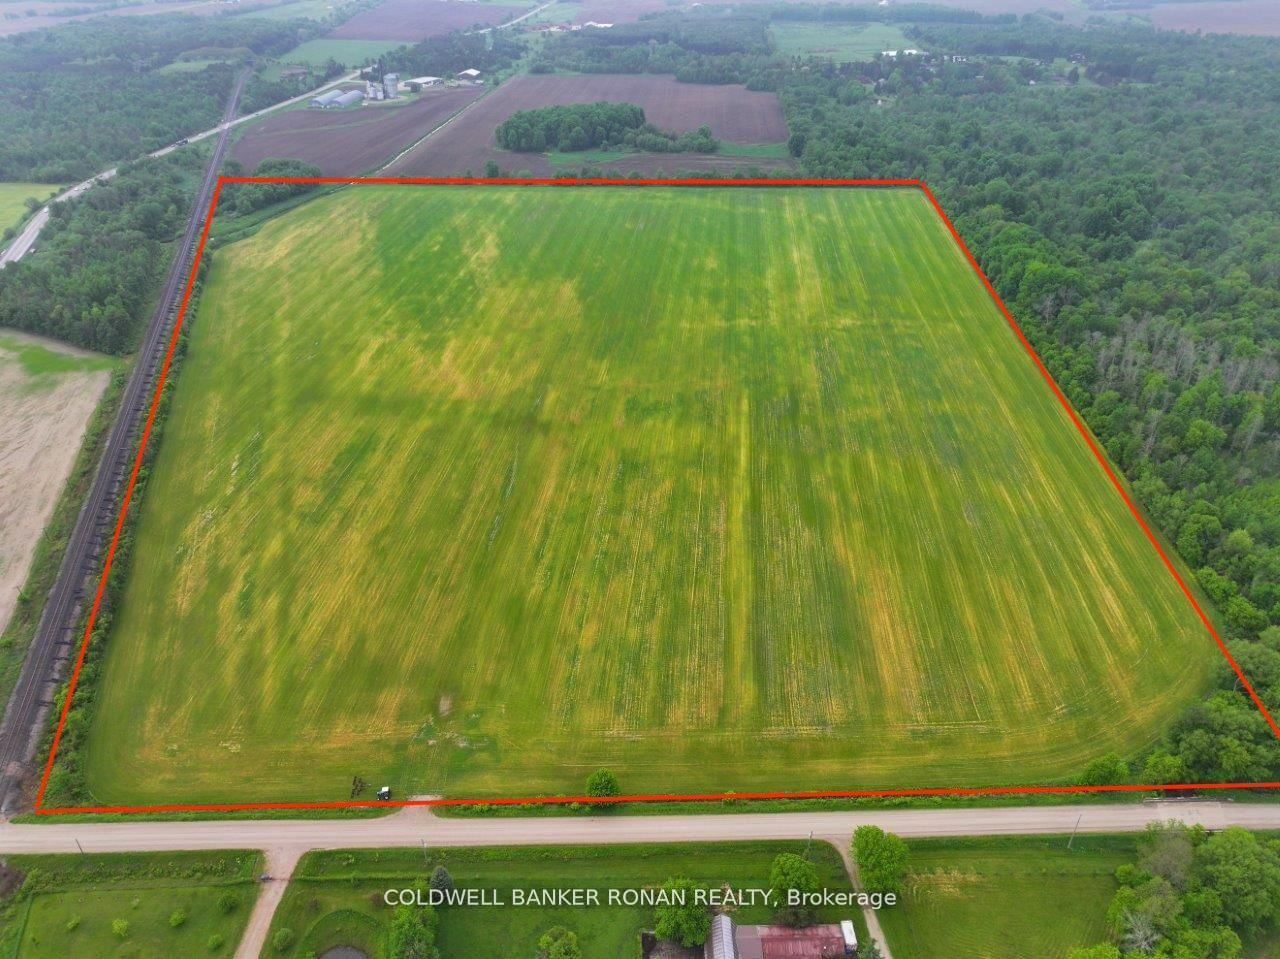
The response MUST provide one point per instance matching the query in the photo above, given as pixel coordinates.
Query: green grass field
(350, 53)
(13, 200)
(1006, 898)
(331, 901)
(842, 42)
(69, 913)
(476, 489)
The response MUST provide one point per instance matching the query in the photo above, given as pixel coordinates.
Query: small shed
(468, 74)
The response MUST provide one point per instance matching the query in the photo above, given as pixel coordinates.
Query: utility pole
(1074, 831)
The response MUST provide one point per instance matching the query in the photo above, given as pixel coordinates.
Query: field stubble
(473, 490)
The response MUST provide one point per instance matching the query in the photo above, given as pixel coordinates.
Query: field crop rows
(734, 114)
(475, 489)
(349, 142)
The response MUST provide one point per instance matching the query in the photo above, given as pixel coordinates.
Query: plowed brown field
(347, 142)
(734, 113)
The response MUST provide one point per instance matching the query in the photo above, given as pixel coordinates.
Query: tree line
(76, 98)
(1091, 178)
(94, 272)
(586, 126)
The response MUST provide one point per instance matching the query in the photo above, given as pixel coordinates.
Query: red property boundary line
(1092, 443)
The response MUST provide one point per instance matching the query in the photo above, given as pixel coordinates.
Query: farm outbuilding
(728, 940)
(348, 99)
(325, 99)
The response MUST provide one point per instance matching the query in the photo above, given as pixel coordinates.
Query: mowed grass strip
(1008, 897)
(475, 489)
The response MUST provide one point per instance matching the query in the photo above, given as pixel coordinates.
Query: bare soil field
(735, 114)
(415, 20)
(347, 142)
(48, 392)
(1252, 17)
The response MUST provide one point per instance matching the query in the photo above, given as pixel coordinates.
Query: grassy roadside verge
(336, 897)
(1027, 897)
(144, 905)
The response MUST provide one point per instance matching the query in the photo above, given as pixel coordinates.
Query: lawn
(842, 42)
(76, 899)
(13, 197)
(350, 53)
(335, 896)
(1006, 898)
(472, 490)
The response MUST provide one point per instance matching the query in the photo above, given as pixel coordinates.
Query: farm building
(472, 75)
(324, 100)
(425, 81)
(348, 99)
(391, 85)
(728, 940)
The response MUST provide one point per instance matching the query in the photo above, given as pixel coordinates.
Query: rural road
(285, 841)
(414, 826)
(24, 241)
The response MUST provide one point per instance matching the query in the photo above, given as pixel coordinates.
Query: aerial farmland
(472, 490)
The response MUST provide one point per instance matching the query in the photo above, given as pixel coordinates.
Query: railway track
(58, 632)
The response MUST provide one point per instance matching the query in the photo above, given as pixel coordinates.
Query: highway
(21, 245)
(57, 634)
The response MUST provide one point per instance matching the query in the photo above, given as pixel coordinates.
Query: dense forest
(586, 126)
(1119, 187)
(77, 98)
(101, 256)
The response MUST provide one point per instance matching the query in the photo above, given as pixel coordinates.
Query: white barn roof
(720, 944)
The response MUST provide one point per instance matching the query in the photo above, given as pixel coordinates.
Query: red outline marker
(43, 810)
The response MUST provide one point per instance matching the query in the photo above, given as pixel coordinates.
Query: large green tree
(682, 918)
(881, 858)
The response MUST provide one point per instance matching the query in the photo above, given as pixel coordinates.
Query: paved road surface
(411, 827)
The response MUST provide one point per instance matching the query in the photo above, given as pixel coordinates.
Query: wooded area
(77, 98)
(1139, 251)
(584, 126)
